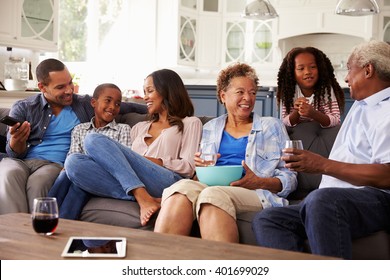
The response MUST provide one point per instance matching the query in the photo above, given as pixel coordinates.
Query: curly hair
(176, 100)
(233, 71)
(322, 89)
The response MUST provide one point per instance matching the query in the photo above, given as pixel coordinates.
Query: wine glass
(45, 215)
(208, 152)
(297, 144)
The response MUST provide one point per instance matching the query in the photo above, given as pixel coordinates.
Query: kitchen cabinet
(244, 40)
(384, 22)
(189, 33)
(297, 17)
(211, 34)
(348, 103)
(205, 101)
(30, 24)
(204, 98)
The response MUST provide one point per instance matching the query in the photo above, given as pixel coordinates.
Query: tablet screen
(95, 247)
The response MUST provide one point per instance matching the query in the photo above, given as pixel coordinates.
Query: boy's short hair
(99, 89)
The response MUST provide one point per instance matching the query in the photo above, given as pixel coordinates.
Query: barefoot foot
(148, 209)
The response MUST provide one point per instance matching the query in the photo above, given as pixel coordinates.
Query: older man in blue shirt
(37, 149)
(353, 199)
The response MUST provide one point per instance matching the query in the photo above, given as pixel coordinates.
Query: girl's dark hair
(99, 89)
(47, 66)
(176, 100)
(322, 89)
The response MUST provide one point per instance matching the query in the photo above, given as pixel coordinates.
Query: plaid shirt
(119, 132)
(265, 143)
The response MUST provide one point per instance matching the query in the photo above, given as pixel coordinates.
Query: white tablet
(95, 247)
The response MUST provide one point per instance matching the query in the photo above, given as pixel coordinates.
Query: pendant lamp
(259, 9)
(357, 7)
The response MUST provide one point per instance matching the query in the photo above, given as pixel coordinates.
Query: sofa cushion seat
(116, 212)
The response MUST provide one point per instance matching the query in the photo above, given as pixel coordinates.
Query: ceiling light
(357, 7)
(259, 9)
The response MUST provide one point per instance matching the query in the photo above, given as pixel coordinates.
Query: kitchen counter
(7, 98)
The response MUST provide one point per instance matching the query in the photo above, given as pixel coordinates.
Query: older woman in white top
(162, 150)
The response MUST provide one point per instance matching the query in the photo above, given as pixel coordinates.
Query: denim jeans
(60, 188)
(329, 218)
(109, 169)
(70, 199)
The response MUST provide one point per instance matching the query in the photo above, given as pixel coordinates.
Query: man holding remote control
(37, 145)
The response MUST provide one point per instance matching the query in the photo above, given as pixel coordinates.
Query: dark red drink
(44, 224)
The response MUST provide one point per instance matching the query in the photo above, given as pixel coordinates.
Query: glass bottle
(16, 72)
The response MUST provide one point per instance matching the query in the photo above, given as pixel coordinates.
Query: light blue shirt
(265, 143)
(364, 136)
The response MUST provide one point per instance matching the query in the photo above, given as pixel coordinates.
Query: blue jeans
(109, 169)
(329, 218)
(67, 196)
(60, 188)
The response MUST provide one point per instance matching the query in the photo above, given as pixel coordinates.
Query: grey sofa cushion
(131, 118)
(114, 212)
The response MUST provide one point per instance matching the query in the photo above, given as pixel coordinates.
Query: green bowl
(219, 175)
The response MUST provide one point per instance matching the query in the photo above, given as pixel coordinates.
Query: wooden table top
(19, 241)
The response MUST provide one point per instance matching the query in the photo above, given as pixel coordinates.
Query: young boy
(106, 102)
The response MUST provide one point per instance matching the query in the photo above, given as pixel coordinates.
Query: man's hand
(19, 136)
(303, 161)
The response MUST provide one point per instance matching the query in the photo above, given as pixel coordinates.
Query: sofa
(314, 138)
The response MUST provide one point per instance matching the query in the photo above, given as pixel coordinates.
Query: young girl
(308, 89)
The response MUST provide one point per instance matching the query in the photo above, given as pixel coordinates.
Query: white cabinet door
(8, 21)
(209, 41)
(30, 24)
(306, 17)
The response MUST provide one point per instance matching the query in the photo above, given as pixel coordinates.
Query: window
(97, 41)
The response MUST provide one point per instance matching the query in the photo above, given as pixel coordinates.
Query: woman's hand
(201, 162)
(249, 181)
(252, 182)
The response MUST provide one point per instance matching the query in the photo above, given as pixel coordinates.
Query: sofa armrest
(3, 127)
(3, 130)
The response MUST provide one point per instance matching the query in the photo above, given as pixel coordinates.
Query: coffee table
(19, 241)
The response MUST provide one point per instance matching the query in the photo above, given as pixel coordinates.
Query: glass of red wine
(45, 215)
